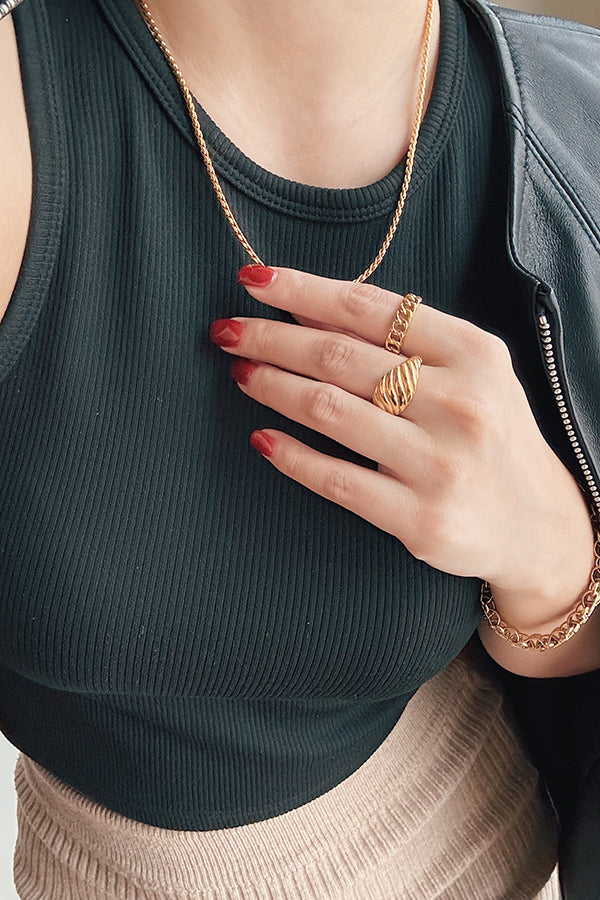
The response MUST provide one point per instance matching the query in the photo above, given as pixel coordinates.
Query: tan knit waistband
(447, 807)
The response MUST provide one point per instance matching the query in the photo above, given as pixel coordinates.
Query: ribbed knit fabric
(447, 807)
(187, 637)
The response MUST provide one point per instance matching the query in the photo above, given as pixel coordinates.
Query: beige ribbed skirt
(447, 807)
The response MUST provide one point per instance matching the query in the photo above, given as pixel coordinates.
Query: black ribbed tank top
(187, 636)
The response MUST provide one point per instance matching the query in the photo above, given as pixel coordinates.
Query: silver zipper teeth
(6, 7)
(548, 350)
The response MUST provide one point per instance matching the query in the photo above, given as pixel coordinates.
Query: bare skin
(454, 463)
(321, 93)
(466, 480)
(15, 171)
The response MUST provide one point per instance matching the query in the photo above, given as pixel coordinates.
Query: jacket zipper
(548, 351)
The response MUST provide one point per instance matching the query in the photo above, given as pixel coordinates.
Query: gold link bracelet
(559, 635)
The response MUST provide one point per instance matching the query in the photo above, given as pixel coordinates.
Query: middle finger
(364, 310)
(353, 365)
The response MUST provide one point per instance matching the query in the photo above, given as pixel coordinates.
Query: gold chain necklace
(410, 156)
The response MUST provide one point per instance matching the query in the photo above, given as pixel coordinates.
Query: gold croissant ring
(396, 389)
(402, 320)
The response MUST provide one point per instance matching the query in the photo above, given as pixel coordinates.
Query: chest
(144, 548)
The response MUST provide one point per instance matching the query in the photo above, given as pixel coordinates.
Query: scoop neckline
(309, 202)
(379, 197)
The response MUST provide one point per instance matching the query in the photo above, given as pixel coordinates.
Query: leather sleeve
(549, 73)
(560, 721)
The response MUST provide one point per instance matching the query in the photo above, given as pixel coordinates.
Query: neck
(321, 91)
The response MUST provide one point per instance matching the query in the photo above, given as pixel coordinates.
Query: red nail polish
(242, 369)
(256, 276)
(262, 442)
(226, 332)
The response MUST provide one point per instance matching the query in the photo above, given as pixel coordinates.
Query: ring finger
(340, 415)
(364, 310)
(337, 359)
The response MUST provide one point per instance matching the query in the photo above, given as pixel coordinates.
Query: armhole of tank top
(46, 135)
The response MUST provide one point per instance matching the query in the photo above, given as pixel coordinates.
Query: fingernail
(226, 332)
(256, 276)
(242, 369)
(262, 442)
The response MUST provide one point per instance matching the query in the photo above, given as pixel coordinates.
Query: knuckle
(324, 405)
(334, 355)
(469, 404)
(295, 284)
(497, 350)
(264, 337)
(496, 356)
(448, 475)
(473, 415)
(360, 300)
(294, 464)
(471, 339)
(338, 485)
(440, 391)
(484, 346)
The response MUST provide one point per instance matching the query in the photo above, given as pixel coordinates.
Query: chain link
(576, 618)
(410, 156)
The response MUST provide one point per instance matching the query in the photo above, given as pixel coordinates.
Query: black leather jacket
(549, 75)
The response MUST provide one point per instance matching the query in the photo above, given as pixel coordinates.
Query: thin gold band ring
(401, 323)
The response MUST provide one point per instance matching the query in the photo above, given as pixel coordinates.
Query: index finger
(361, 309)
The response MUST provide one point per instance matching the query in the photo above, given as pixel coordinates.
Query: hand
(465, 479)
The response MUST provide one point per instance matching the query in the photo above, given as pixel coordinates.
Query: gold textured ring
(396, 389)
(401, 322)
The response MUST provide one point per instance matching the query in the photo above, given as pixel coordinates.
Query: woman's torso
(167, 598)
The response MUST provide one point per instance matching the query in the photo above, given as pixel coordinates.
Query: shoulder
(553, 64)
(549, 71)
(16, 168)
(536, 34)
(550, 67)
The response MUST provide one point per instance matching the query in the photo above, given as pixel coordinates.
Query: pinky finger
(379, 499)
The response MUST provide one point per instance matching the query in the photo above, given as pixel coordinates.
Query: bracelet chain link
(559, 635)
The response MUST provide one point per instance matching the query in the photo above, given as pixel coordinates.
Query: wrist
(541, 597)
(573, 637)
(539, 610)
(575, 657)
